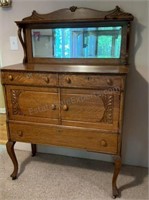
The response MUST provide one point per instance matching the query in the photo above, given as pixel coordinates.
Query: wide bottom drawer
(90, 140)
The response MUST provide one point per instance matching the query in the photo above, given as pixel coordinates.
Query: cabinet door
(32, 104)
(90, 108)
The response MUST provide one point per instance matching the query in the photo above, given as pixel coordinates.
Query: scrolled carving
(108, 101)
(15, 104)
(77, 13)
(117, 13)
(34, 16)
(23, 44)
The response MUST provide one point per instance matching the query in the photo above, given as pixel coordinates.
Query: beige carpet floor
(54, 177)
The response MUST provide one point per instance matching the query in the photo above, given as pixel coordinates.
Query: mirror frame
(75, 18)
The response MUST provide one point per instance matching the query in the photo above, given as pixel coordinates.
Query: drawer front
(27, 78)
(34, 104)
(92, 81)
(89, 140)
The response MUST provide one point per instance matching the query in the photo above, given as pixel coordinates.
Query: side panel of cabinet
(33, 104)
(90, 108)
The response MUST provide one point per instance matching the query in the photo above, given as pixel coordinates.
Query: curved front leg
(117, 160)
(10, 150)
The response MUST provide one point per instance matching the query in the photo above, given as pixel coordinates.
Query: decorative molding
(35, 16)
(77, 14)
(23, 44)
(2, 110)
(108, 101)
(73, 8)
(15, 104)
(117, 13)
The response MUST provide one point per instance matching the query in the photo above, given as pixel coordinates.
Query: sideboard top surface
(95, 69)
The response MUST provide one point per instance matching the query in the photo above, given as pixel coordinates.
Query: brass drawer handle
(103, 143)
(10, 77)
(68, 80)
(65, 107)
(47, 80)
(53, 106)
(109, 81)
(20, 133)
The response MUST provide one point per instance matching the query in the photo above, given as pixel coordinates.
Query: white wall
(135, 137)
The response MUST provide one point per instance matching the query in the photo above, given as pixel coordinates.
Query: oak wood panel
(33, 104)
(91, 81)
(90, 108)
(28, 78)
(65, 136)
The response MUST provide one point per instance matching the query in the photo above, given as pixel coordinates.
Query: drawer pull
(20, 133)
(65, 107)
(10, 77)
(109, 81)
(53, 106)
(47, 80)
(103, 143)
(68, 80)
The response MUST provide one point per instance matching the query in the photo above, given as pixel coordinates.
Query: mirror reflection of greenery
(92, 42)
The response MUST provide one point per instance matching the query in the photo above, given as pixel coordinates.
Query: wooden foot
(34, 149)
(117, 161)
(10, 150)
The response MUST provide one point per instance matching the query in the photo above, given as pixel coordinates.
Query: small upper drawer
(91, 81)
(27, 78)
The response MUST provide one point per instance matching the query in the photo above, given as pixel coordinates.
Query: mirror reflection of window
(42, 43)
(90, 42)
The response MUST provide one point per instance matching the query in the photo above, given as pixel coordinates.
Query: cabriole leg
(34, 149)
(10, 150)
(117, 161)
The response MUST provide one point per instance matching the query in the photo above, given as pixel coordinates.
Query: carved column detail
(15, 104)
(108, 101)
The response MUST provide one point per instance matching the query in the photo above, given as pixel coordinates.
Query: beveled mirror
(88, 42)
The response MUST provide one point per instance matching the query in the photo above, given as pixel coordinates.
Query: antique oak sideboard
(69, 90)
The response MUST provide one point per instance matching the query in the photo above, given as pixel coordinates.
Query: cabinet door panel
(33, 104)
(95, 109)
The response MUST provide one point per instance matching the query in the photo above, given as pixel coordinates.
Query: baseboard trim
(3, 141)
(2, 110)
